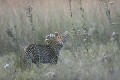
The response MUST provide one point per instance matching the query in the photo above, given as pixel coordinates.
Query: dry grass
(48, 16)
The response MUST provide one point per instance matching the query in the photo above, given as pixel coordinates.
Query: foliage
(89, 53)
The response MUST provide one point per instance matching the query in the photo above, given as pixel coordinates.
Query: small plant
(12, 32)
(30, 17)
(116, 38)
(87, 39)
(71, 13)
(83, 15)
(19, 59)
(107, 6)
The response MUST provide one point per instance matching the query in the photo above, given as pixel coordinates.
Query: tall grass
(93, 58)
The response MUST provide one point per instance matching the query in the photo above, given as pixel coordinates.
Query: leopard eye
(47, 41)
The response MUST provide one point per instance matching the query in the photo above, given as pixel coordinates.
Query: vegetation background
(23, 22)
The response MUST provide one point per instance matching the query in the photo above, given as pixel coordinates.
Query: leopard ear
(56, 33)
(66, 33)
(47, 37)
